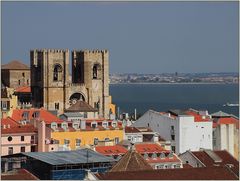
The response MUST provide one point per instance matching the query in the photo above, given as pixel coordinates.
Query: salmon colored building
(16, 138)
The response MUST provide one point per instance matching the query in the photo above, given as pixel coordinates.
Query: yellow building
(112, 107)
(92, 132)
(9, 102)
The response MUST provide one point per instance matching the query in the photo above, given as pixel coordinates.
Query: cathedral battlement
(50, 50)
(94, 51)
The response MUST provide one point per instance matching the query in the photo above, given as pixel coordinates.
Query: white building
(188, 130)
(140, 134)
(224, 132)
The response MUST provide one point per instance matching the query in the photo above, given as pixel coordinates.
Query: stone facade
(15, 74)
(55, 89)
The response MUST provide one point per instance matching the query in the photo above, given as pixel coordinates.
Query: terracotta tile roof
(23, 89)
(9, 121)
(111, 150)
(15, 65)
(19, 129)
(131, 130)
(226, 157)
(163, 160)
(226, 120)
(44, 115)
(198, 117)
(81, 106)
(20, 174)
(203, 173)
(131, 161)
(149, 148)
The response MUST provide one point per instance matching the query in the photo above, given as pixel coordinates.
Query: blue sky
(143, 37)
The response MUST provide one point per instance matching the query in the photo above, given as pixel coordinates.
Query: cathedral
(55, 89)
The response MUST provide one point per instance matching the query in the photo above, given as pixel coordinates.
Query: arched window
(96, 71)
(162, 155)
(57, 72)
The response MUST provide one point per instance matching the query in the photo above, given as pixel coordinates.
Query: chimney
(41, 136)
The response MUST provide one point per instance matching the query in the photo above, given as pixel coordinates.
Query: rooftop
(10, 126)
(131, 161)
(131, 130)
(20, 174)
(69, 157)
(208, 160)
(19, 129)
(15, 65)
(40, 114)
(203, 173)
(73, 114)
(220, 114)
(149, 148)
(111, 150)
(81, 106)
(23, 89)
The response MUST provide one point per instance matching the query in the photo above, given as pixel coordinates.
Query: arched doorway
(75, 97)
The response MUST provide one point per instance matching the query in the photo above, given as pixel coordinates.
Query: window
(154, 156)
(78, 142)
(54, 125)
(56, 106)
(203, 136)
(19, 82)
(129, 138)
(173, 137)
(172, 127)
(10, 150)
(148, 124)
(159, 166)
(114, 124)
(35, 114)
(32, 139)
(95, 141)
(66, 142)
(170, 155)
(162, 155)
(27, 81)
(107, 139)
(23, 74)
(116, 140)
(105, 124)
(4, 105)
(22, 148)
(22, 138)
(9, 138)
(94, 125)
(173, 149)
(57, 73)
(25, 115)
(85, 115)
(145, 156)
(96, 68)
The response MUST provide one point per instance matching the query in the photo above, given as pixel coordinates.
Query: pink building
(17, 138)
(26, 131)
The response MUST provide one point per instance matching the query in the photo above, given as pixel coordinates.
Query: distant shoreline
(177, 83)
